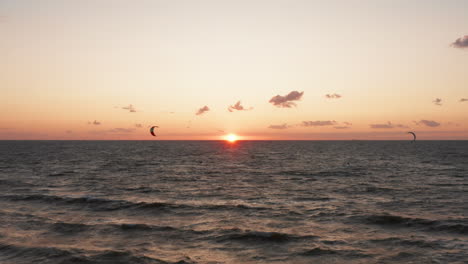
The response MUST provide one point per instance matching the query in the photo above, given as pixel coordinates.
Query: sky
(263, 70)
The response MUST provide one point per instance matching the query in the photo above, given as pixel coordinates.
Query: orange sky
(66, 64)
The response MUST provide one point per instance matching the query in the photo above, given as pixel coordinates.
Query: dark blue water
(248, 202)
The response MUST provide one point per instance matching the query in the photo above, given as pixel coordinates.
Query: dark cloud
(429, 123)
(130, 108)
(286, 101)
(96, 123)
(318, 123)
(461, 42)
(464, 100)
(202, 110)
(333, 96)
(437, 101)
(238, 107)
(341, 127)
(387, 125)
(139, 125)
(283, 126)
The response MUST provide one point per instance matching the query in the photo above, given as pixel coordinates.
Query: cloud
(341, 127)
(115, 131)
(139, 125)
(283, 126)
(96, 123)
(68, 131)
(437, 101)
(318, 123)
(429, 123)
(453, 124)
(387, 125)
(464, 100)
(238, 107)
(202, 110)
(461, 42)
(121, 130)
(348, 123)
(285, 101)
(130, 108)
(333, 96)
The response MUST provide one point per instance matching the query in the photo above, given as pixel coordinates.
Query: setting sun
(231, 138)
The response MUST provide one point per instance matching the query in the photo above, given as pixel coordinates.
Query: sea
(243, 202)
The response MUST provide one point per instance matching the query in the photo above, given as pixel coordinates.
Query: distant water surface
(248, 202)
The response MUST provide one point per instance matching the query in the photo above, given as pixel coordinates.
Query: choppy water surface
(248, 202)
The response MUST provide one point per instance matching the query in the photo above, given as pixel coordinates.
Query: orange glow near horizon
(231, 138)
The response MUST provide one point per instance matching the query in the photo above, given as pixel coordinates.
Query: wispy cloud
(202, 110)
(437, 101)
(333, 96)
(68, 131)
(345, 125)
(286, 101)
(388, 125)
(130, 108)
(114, 131)
(464, 100)
(283, 126)
(237, 106)
(461, 42)
(139, 125)
(429, 123)
(96, 123)
(453, 124)
(318, 123)
(121, 130)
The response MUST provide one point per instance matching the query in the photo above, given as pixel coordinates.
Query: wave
(396, 241)
(33, 222)
(62, 173)
(22, 254)
(69, 228)
(317, 251)
(313, 199)
(8, 184)
(454, 226)
(258, 236)
(325, 173)
(110, 205)
(76, 228)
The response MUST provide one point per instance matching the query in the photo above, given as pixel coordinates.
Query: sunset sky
(350, 69)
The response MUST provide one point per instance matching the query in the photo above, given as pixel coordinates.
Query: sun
(231, 138)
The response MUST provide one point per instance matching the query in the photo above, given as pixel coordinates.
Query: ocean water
(248, 202)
